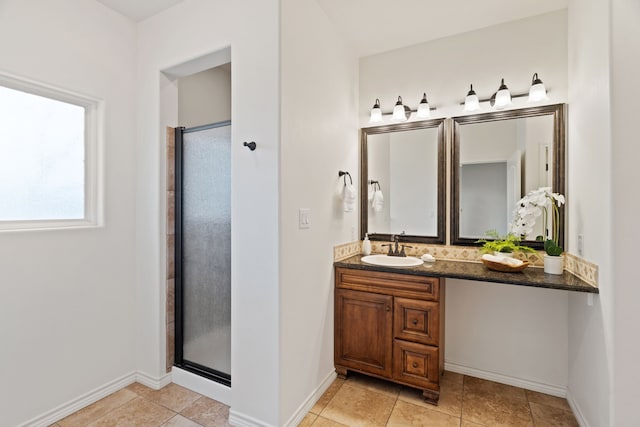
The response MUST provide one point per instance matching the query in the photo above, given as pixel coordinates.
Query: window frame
(93, 155)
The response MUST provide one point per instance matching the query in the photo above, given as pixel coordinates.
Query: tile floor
(139, 406)
(355, 402)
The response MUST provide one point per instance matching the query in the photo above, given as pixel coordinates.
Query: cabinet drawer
(416, 320)
(402, 285)
(416, 364)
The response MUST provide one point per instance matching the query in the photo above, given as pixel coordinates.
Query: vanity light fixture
(401, 112)
(503, 96)
(423, 108)
(471, 102)
(537, 92)
(376, 113)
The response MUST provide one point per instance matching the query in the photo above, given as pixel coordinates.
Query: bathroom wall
(67, 306)
(319, 137)
(250, 28)
(588, 212)
(625, 38)
(445, 67)
(478, 339)
(603, 351)
(205, 97)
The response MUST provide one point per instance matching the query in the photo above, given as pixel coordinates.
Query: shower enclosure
(203, 251)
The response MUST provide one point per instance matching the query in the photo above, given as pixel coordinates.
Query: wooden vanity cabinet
(390, 325)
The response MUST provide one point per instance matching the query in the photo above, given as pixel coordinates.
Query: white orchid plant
(541, 202)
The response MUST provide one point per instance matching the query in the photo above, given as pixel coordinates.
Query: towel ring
(342, 174)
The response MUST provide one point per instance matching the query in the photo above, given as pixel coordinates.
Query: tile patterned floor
(464, 402)
(140, 406)
(359, 401)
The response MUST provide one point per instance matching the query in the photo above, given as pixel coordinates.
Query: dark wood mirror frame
(558, 112)
(441, 207)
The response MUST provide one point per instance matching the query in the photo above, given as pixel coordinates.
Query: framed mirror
(497, 158)
(403, 182)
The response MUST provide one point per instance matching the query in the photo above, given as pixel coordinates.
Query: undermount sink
(392, 261)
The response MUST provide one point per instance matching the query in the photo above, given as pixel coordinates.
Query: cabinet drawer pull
(414, 321)
(415, 365)
(388, 308)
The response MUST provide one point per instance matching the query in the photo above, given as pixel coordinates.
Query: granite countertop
(530, 276)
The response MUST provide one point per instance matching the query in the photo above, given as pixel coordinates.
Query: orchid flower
(535, 204)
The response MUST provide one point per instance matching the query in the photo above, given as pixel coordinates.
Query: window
(48, 157)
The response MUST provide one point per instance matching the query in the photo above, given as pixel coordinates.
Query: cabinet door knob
(415, 365)
(414, 321)
(388, 308)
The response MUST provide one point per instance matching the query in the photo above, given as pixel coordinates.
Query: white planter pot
(553, 264)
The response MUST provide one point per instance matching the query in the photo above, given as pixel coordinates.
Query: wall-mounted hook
(342, 174)
(251, 145)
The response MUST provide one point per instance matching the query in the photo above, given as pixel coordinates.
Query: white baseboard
(66, 409)
(201, 385)
(155, 383)
(577, 412)
(237, 419)
(306, 406)
(554, 390)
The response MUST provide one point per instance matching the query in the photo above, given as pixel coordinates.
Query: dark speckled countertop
(530, 276)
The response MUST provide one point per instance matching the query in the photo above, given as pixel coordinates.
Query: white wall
(444, 68)
(67, 308)
(588, 208)
(625, 45)
(205, 97)
(250, 28)
(490, 326)
(319, 138)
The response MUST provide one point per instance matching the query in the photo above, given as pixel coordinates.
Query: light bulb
(376, 113)
(503, 96)
(537, 92)
(423, 108)
(398, 111)
(471, 102)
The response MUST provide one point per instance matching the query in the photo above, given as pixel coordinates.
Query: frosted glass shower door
(204, 234)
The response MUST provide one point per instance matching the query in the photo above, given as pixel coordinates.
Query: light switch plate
(304, 218)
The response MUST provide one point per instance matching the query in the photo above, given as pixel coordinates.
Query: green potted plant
(503, 245)
(542, 202)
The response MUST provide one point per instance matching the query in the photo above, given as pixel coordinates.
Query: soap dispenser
(366, 245)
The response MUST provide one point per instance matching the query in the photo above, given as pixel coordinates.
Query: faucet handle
(402, 252)
(390, 248)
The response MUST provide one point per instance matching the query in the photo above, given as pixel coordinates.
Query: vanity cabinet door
(417, 320)
(363, 332)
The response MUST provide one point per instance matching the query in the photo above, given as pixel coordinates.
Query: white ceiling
(375, 26)
(139, 10)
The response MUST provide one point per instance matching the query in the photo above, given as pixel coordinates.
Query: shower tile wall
(171, 151)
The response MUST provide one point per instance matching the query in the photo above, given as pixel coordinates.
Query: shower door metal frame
(179, 360)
